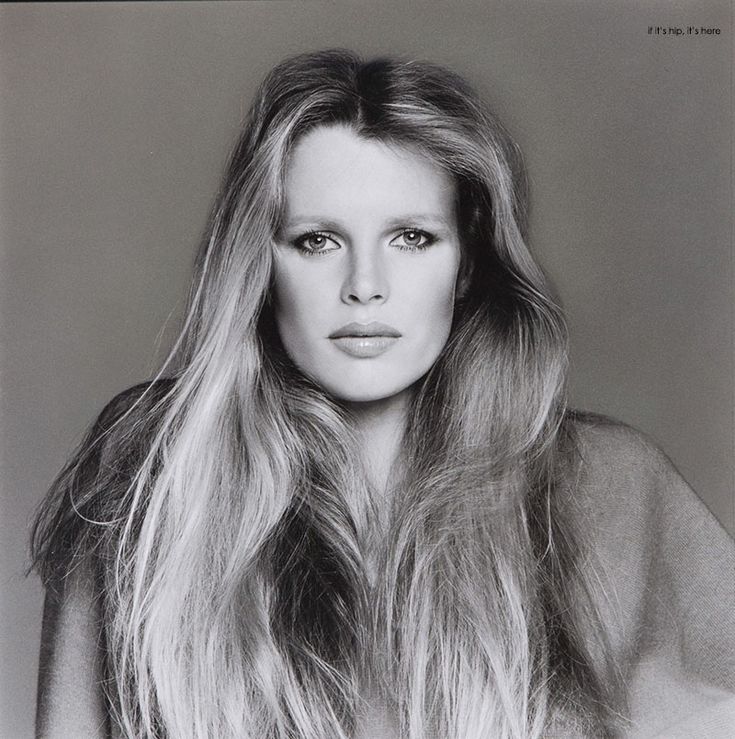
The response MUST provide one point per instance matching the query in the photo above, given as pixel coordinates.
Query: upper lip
(365, 329)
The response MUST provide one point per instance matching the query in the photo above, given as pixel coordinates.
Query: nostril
(353, 298)
(364, 294)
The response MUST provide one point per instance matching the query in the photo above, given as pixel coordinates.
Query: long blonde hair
(227, 511)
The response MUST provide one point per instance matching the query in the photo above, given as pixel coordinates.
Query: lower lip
(364, 347)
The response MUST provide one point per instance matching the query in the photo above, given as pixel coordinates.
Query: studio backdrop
(116, 121)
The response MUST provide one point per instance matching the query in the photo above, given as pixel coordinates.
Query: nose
(366, 279)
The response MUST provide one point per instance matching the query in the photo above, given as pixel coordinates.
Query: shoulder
(647, 536)
(654, 561)
(620, 474)
(143, 398)
(606, 447)
(120, 437)
(641, 526)
(620, 481)
(126, 422)
(615, 482)
(88, 492)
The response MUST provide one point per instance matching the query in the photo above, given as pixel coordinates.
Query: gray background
(115, 121)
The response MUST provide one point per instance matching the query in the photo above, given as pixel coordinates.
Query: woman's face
(366, 264)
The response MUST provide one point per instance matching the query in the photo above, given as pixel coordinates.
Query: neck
(380, 425)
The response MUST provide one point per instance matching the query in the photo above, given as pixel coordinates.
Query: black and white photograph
(367, 370)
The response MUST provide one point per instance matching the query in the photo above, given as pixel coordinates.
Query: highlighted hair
(230, 517)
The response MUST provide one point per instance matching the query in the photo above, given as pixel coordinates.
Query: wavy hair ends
(237, 601)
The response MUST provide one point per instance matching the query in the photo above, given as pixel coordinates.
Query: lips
(365, 340)
(365, 329)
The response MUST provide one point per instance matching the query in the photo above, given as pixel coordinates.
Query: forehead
(333, 167)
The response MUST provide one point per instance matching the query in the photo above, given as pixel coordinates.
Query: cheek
(293, 299)
(432, 295)
(285, 290)
(299, 312)
(287, 309)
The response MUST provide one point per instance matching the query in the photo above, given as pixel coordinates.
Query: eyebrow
(409, 219)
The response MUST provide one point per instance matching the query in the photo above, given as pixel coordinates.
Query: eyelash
(298, 242)
(430, 239)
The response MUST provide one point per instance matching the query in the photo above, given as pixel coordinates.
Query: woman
(358, 506)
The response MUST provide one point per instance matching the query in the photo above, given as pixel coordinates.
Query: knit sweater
(666, 576)
(661, 569)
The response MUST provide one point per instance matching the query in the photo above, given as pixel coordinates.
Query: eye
(413, 239)
(315, 242)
